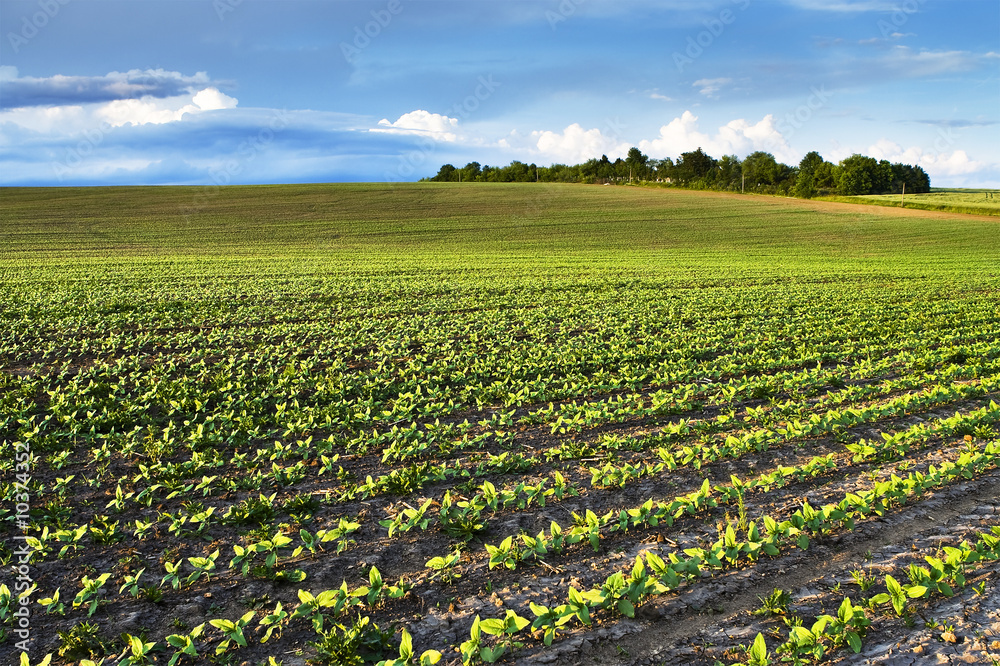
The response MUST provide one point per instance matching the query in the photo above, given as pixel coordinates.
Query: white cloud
(50, 120)
(66, 105)
(575, 144)
(738, 137)
(423, 123)
(210, 99)
(954, 163)
(151, 110)
(709, 87)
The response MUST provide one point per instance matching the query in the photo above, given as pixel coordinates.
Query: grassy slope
(470, 226)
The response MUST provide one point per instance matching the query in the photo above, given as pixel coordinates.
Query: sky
(216, 92)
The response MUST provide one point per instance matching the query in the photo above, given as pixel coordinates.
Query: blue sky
(271, 91)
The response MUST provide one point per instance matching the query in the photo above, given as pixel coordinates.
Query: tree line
(759, 172)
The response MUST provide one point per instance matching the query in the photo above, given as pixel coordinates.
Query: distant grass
(968, 201)
(479, 226)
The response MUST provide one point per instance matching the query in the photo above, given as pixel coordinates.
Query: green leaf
(846, 612)
(897, 594)
(492, 626)
(758, 651)
(406, 646)
(491, 656)
(519, 622)
(803, 541)
(854, 641)
(626, 608)
(430, 657)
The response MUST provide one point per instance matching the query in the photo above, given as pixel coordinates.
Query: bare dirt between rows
(698, 625)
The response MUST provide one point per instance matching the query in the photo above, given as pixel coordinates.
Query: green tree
(729, 173)
(445, 174)
(472, 171)
(664, 168)
(636, 162)
(883, 178)
(858, 174)
(826, 177)
(694, 166)
(805, 183)
(761, 171)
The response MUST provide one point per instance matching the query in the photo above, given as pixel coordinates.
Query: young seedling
(184, 644)
(71, 538)
(233, 631)
(173, 577)
(504, 629)
(757, 653)
(337, 600)
(338, 534)
(89, 593)
(776, 603)
(132, 584)
(445, 567)
(863, 579)
(203, 566)
(549, 620)
(137, 652)
(52, 604)
(273, 622)
(407, 656)
(506, 554)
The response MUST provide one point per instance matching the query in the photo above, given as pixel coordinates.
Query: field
(515, 423)
(977, 202)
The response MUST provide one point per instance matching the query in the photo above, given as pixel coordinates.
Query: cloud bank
(164, 127)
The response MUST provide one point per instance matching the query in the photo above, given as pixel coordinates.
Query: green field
(256, 422)
(976, 202)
